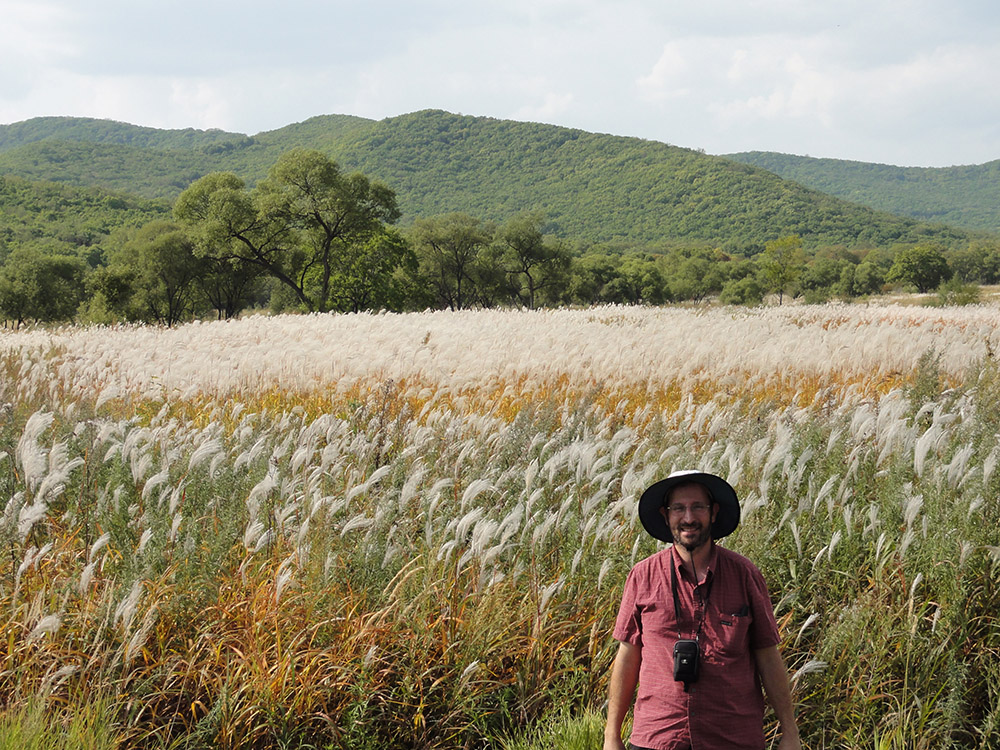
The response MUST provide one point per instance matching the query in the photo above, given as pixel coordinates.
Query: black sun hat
(726, 521)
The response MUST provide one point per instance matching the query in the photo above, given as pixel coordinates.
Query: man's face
(690, 513)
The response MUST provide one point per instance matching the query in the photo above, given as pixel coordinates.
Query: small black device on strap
(687, 651)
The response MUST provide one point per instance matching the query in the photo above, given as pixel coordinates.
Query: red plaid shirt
(725, 707)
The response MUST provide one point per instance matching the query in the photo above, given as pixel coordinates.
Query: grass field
(411, 531)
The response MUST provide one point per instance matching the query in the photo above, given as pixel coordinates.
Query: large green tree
(367, 278)
(40, 286)
(450, 249)
(978, 263)
(639, 282)
(535, 264)
(781, 263)
(304, 224)
(160, 263)
(922, 266)
(229, 285)
(695, 274)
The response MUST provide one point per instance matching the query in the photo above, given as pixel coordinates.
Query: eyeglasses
(680, 510)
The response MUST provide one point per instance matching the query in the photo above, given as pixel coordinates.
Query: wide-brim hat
(726, 520)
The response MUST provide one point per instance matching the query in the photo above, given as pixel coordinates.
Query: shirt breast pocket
(733, 631)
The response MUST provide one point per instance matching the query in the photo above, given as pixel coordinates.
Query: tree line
(309, 237)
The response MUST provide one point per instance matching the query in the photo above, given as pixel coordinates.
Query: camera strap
(677, 600)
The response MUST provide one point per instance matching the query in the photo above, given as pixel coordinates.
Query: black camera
(686, 659)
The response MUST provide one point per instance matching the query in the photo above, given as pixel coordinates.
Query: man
(714, 606)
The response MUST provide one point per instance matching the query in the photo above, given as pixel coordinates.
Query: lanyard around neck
(677, 599)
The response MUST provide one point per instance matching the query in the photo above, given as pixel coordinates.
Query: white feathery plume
(826, 491)
(813, 665)
(577, 556)
(794, 527)
(161, 477)
(834, 541)
(474, 490)
(29, 455)
(26, 562)
(138, 639)
(205, 452)
(912, 507)
(86, 577)
(908, 537)
(263, 540)
(467, 673)
(409, 490)
(974, 505)
(283, 577)
(125, 610)
(548, 592)
(300, 457)
(956, 470)
(28, 517)
(99, 544)
(175, 525)
(990, 465)
(140, 465)
(252, 533)
(358, 522)
(45, 626)
(108, 393)
(463, 524)
(805, 626)
(541, 532)
(144, 540)
(605, 569)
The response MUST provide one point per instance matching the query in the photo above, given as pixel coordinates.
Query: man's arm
(774, 676)
(624, 678)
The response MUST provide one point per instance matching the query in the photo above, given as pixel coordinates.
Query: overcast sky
(913, 82)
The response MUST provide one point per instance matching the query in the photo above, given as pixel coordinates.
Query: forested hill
(591, 187)
(64, 218)
(87, 129)
(963, 196)
(600, 187)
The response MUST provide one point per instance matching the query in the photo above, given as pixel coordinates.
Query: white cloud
(552, 106)
(35, 33)
(909, 81)
(669, 77)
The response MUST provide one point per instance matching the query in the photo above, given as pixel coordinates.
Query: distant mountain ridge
(90, 130)
(963, 196)
(591, 187)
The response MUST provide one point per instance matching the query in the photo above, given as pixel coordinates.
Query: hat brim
(726, 520)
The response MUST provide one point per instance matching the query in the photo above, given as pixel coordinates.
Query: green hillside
(152, 163)
(964, 196)
(591, 187)
(602, 187)
(89, 130)
(66, 218)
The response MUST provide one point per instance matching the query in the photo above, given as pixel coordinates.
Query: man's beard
(704, 534)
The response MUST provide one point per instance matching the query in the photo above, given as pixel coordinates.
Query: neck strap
(677, 598)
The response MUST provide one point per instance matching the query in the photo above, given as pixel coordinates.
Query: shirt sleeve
(628, 625)
(764, 631)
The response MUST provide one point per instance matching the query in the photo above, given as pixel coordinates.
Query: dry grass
(411, 531)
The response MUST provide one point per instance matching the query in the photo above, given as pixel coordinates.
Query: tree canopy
(306, 225)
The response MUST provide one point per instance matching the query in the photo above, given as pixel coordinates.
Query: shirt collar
(678, 563)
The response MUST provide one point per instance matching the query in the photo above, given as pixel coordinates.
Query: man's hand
(788, 741)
